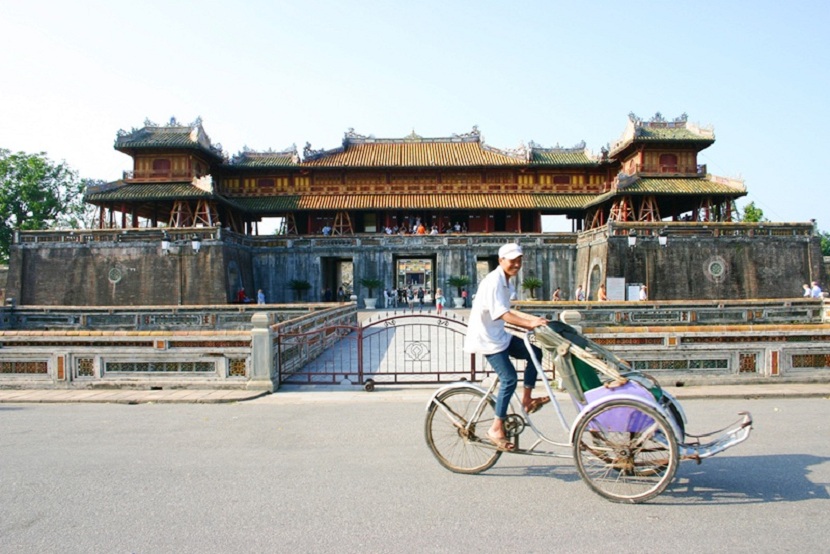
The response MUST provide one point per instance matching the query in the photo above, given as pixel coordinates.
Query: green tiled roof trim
(561, 157)
(681, 186)
(147, 192)
(264, 204)
(166, 137)
(671, 187)
(258, 160)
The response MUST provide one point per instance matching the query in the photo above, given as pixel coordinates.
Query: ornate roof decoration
(171, 135)
(659, 129)
(269, 158)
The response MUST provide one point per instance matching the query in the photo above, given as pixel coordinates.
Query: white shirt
(485, 329)
(643, 294)
(815, 292)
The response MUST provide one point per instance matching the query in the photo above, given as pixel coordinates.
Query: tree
(459, 281)
(300, 287)
(825, 243)
(530, 284)
(753, 214)
(371, 283)
(36, 194)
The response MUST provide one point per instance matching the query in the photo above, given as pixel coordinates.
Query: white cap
(510, 251)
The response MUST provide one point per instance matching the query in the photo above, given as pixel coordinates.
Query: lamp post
(169, 246)
(662, 241)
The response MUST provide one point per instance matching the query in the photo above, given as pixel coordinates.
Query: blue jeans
(501, 364)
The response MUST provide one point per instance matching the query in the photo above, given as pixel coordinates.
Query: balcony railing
(671, 169)
(158, 175)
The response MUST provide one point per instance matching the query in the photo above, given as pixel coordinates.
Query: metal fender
(634, 399)
(673, 401)
(459, 385)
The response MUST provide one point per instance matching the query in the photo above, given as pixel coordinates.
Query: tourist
(602, 296)
(341, 294)
(464, 298)
(580, 294)
(410, 299)
(557, 295)
(815, 291)
(421, 298)
(260, 297)
(241, 297)
(439, 301)
(326, 230)
(643, 293)
(486, 335)
(808, 292)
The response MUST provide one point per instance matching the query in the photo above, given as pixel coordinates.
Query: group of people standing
(409, 296)
(419, 227)
(812, 290)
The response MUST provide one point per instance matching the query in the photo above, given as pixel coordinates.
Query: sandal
(536, 404)
(501, 443)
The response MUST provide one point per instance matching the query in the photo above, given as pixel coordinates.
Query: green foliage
(530, 284)
(371, 283)
(299, 287)
(459, 281)
(825, 243)
(753, 214)
(36, 194)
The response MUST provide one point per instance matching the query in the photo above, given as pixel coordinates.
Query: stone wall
(125, 273)
(705, 261)
(700, 261)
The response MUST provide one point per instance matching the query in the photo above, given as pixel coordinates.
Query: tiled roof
(658, 129)
(121, 191)
(169, 136)
(257, 160)
(412, 152)
(647, 133)
(415, 201)
(561, 156)
(681, 186)
(672, 187)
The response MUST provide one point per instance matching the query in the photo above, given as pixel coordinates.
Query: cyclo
(626, 439)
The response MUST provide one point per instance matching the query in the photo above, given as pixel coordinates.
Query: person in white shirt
(815, 291)
(643, 292)
(486, 335)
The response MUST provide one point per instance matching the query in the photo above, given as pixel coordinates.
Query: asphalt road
(331, 473)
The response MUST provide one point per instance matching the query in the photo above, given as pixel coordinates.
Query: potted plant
(458, 281)
(371, 283)
(299, 287)
(530, 284)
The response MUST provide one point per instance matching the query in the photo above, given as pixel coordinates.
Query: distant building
(625, 204)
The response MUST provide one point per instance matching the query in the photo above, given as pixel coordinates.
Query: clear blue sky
(269, 74)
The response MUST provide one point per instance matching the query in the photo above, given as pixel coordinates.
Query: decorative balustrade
(146, 318)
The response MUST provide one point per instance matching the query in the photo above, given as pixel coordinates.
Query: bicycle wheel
(457, 446)
(625, 451)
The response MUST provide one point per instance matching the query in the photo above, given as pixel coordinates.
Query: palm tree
(530, 284)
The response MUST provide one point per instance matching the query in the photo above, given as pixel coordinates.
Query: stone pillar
(263, 373)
